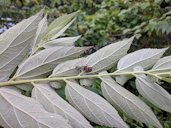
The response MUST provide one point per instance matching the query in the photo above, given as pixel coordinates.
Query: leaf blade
(145, 58)
(52, 102)
(162, 65)
(65, 41)
(108, 56)
(44, 61)
(31, 114)
(92, 106)
(14, 45)
(127, 102)
(154, 93)
(39, 33)
(58, 26)
(68, 68)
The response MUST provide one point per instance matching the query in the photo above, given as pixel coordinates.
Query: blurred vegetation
(102, 22)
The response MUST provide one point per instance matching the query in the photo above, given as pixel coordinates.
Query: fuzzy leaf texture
(14, 45)
(153, 92)
(52, 102)
(18, 111)
(92, 106)
(162, 65)
(100, 60)
(63, 41)
(127, 102)
(145, 58)
(40, 64)
(86, 82)
(107, 57)
(58, 26)
(40, 33)
(56, 84)
(68, 68)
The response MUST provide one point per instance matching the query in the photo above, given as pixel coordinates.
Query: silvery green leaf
(46, 60)
(58, 26)
(92, 106)
(14, 45)
(145, 58)
(25, 87)
(53, 35)
(86, 82)
(153, 92)
(18, 111)
(40, 32)
(162, 65)
(69, 68)
(108, 56)
(52, 102)
(123, 79)
(127, 102)
(56, 84)
(64, 41)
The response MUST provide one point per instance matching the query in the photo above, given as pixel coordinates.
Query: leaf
(153, 92)
(162, 65)
(56, 84)
(108, 56)
(145, 58)
(52, 102)
(58, 26)
(40, 32)
(25, 87)
(123, 79)
(69, 68)
(46, 60)
(66, 41)
(92, 106)
(127, 102)
(86, 82)
(104, 58)
(18, 111)
(14, 45)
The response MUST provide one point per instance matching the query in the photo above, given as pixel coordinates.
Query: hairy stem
(116, 73)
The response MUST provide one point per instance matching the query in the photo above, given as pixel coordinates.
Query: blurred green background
(102, 22)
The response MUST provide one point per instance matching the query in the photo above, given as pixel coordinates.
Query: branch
(116, 73)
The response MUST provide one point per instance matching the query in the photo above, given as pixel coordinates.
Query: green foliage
(101, 22)
(115, 19)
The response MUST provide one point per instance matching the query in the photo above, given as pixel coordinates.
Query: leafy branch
(116, 73)
(57, 63)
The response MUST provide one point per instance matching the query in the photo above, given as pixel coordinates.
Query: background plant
(42, 60)
(111, 20)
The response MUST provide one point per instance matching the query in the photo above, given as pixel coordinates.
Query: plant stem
(116, 73)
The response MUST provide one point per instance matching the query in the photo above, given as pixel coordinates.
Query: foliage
(102, 22)
(41, 69)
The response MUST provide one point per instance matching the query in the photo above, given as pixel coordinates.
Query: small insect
(87, 69)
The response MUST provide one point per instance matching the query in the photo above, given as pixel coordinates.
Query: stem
(165, 73)
(12, 82)
(155, 75)
(34, 51)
